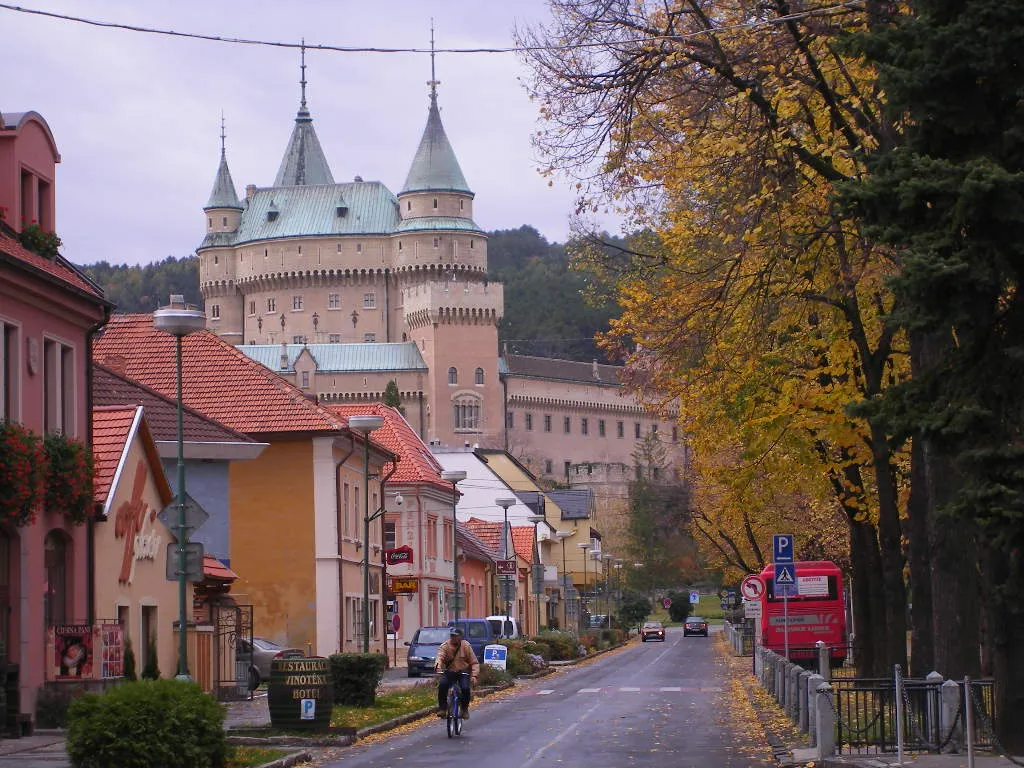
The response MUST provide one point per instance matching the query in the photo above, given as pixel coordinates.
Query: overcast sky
(137, 116)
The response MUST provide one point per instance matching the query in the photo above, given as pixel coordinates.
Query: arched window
(55, 561)
(466, 413)
(453, 375)
(479, 375)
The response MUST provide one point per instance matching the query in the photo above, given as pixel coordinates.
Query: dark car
(652, 630)
(695, 625)
(258, 655)
(423, 649)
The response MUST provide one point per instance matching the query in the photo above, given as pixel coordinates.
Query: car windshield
(434, 636)
(652, 625)
(695, 620)
(265, 645)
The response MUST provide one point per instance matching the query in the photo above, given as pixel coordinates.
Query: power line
(827, 10)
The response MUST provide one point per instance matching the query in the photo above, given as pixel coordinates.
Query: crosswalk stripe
(590, 690)
(545, 692)
(672, 689)
(629, 690)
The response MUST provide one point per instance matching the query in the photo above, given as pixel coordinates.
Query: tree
(635, 609)
(129, 660)
(151, 669)
(392, 397)
(949, 198)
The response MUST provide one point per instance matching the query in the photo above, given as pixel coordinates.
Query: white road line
(545, 692)
(629, 690)
(573, 728)
(590, 690)
(672, 689)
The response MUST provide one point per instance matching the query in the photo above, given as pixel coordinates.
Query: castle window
(548, 466)
(466, 413)
(252, 307)
(654, 429)
(528, 418)
(453, 375)
(215, 311)
(547, 422)
(509, 420)
(296, 303)
(636, 430)
(216, 259)
(408, 205)
(334, 338)
(600, 427)
(584, 426)
(225, 221)
(437, 242)
(567, 425)
(300, 250)
(339, 247)
(675, 434)
(359, 247)
(472, 243)
(568, 469)
(462, 204)
(435, 203)
(369, 301)
(209, 222)
(369, 338)
(619, 429)
(271, 305)
(300, 339)
(399, 245)
(479, 376)
(305, 380)
(334, 301)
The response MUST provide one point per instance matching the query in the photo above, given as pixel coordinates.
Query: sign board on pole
(399, 555)
(666, 603)
(785, 580)
(404, 586)
(195, 515)
(396, 623)
(782, 548)
(193, 562)
(752, 609)
(496, 656)
(752, 588)
(505, 567)
(694, 598)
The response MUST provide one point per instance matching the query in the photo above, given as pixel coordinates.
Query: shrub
(539, 649)
(355, 677)
(493, 676)
(170, 723)
(518, 662)
(564, 645)
(152, 669)
(129, 661)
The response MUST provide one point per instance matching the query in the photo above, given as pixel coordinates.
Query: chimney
(284, 355)
(250, 190)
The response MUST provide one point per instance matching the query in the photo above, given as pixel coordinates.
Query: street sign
(508, 589)
(495, 656)
(505, 567)
(396, 623)
(399, 555)
(666, 603)
(782, 548)
(752, 588)
(752, 609)
(695, 598)
(195, 515)
(404, 586)
(193, 562)
(785, 580)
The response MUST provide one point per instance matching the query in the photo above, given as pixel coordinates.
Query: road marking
(672, 689)
(629, 690)
(590, 690)
(573, 728)
(545, 692)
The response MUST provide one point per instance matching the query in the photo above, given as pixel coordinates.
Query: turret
(223, 210)
(304, 162)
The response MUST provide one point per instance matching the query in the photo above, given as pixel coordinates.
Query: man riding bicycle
(454, 659)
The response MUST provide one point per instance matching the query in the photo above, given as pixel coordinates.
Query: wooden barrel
(300, 694)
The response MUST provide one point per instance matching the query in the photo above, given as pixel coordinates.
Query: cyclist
(454, 658)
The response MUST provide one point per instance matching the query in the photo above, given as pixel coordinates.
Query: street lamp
(562, 536)
(179, 320)
(584, 545)
(596, 557)
(537, 567)
(607, 587)
(505, 581)
(366, 425)
(455, 476)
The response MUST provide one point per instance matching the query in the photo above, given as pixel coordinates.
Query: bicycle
(453, 713)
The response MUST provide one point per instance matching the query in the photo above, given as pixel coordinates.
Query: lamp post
(562, 536)
(455, 476)
(366, 425)
(583, 600)
(179, 320)
(505, 580)
(608, 587)
(537, 567)
(618, 587)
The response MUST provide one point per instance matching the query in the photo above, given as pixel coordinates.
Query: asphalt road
(649, 704)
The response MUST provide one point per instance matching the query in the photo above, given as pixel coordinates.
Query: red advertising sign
(399, 555)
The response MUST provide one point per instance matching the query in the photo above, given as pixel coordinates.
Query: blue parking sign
(782, 548)
(308, 709)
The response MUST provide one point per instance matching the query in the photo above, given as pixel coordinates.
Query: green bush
(169, 723)
(493, 676)
(538, 649)
(518, 663)
(129, 661)
(355, 677)
(151, 671)
(564, 645)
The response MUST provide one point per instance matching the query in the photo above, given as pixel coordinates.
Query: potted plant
(69, 477)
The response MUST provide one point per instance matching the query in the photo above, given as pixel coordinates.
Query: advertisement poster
(73, 651)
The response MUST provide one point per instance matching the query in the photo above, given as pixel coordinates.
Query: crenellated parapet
(453, 302)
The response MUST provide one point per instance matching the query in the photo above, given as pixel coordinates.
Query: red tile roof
(522, 540)
(473, 546)
(111, 428)
(487, 531)
(111, 388)
(215, 569)
(60, 268)
(416, 464)
(218, 381)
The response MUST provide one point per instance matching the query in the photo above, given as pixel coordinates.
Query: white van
(505, 627)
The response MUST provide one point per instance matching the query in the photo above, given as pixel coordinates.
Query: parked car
(652, 630)
(505, 627)
(423, 649)
(258, 656)
(695, 625)
(478, 632)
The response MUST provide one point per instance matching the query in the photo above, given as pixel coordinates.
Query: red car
(652, 630)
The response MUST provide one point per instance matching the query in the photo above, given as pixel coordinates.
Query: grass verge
(249, 757)
(387, 707)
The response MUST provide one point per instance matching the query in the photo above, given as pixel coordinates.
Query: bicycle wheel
(454, 720)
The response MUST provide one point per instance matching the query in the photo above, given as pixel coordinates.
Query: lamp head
(365, 424)
(505, 503)
(536, 519)
(584, 546)
(453, 475)
(399, 501)
(564, 534)
(178, 318)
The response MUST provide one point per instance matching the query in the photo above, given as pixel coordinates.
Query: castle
(342, 287)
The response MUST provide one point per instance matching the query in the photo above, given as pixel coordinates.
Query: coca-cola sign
(399, 555)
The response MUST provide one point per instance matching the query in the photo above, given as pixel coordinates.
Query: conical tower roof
(435, 166)
(304, 162)
(223, 194)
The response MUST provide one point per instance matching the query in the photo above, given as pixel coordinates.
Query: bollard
(932, 718)
(951, 699)
(813, 683)
(792, 699)
(825, 721)
(780, 680)
(803, 696)
(824, 662)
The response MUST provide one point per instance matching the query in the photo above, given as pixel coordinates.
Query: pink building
(48, 312)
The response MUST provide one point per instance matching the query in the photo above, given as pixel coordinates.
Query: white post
(899, 714)
(969, 720)
(793, 691)
(804, 698)
(825, 724)
(824, 663)
(933, 720)
(951, 699)
(813, 683)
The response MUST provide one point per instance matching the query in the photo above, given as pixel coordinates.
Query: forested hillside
(545, 312)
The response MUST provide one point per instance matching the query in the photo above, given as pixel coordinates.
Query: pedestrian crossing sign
(786, 584)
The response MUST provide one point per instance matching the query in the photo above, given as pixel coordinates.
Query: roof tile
(111, 428)
(522, 539)
(58, 268)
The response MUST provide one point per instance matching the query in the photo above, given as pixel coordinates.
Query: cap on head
(456, 632)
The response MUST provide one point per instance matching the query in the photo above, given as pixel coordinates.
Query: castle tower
(223, 213)
(304, 162)
(453, 316)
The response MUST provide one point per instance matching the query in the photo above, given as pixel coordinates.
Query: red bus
(816, 613)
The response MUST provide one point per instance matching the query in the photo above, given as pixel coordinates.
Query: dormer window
(342, 211)
(271, 215)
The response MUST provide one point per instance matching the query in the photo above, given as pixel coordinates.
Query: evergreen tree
(949, 198)
(129, 660)
(392, 398)
(151, 671)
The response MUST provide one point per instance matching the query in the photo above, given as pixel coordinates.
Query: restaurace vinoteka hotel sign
(134, 522)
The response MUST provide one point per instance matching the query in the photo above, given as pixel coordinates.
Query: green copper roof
(304, 161)
(438, 222)
(223, 194)
(341, 358)
(435, 167)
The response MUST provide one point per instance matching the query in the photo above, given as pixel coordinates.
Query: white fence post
(792, 691)
(804, 696)
(951, 700)
(933, 719)
(813, 683)
(824, 662)
(825, 721)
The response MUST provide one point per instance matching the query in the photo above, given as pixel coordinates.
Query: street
(664, 704)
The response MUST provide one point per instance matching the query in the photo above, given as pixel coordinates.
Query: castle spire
(435, 166)
(223, 194)
(304, 161)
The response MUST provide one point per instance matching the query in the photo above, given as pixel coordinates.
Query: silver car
(258, 656)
